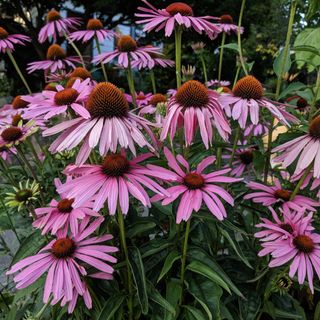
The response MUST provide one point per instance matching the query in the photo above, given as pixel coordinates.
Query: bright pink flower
(193, 106)
(226, 24)
(66, 259)
(307, 180)
(110, 125)
(218, 83)
(301, 247)
(255, 130)
(141, 98)
(157, 107)
(113, 181)
(94, 29)
(127, 50)
(175, 14)
(270, 195)
(62, 214)
(57, 26)
(8, 41)
(306, 148)
(56, 60)
(193, 186)
(246, 100)
(59, 101)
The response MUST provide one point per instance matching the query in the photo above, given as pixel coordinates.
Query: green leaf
(278, 63)
(29, 246)
(314, 7)
(171, 258)
(139, 228)
(173, 293)
(155, 296)
(251, 307)
(197, 314)
(236, 248)
(39, 284)
(139, 278)
(111, 306)
(292, 88)
(317, 312)
(204, 270)
(13, 312)
(231, 46)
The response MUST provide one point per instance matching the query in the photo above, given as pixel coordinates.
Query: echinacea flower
(56, 60)
(56, 26)
(193, 106)
(306, 148)
(307, 180)
(271, 195)
(23, 195)
(12, 135)
(174, 15)
(142, 99)
(94, 29)
(302, 104)
(110, 125)
(62, 214)
(256, 130)
(113, 181)
(127, 50)
(194, 186)
(156, 106)
(60, 101)
(246, 100)
(66, 259)
(5, 153)
(8, 41)
(301, 248)
(218, 83)
(226, 24)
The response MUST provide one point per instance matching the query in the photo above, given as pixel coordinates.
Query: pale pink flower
(141, 98)
(256, 130)
(246, 100)
(110, 125)
(66, 259)
(307, 181)
(56, 26)
(156, 107)
(226, 24)
(94, 29)
(271, 195)
(174, 15)
(193, 106)
(218, 83)
(62, 214)
(194, 186)
(113, 181)
(8, 41)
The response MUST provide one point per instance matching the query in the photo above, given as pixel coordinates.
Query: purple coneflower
(218, 83)
(94, 29)
(157, 106)
(246, 100)
(110, 125)
(175, 14)
(57, 26)
(193, 186)
(226, 24)
(270, 195)
(56, 60)
(113, 181)
(66, 259)
(194, 105)
(8, 41)
(142, 99)
(256, 130)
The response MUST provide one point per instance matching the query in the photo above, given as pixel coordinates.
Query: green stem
(102, 64)
(221, 54)
(75, 49)
(125, 251)
(178, 38)
(234, 147)
(34, 153)
(204, 68)
(6, 171)
(239, 37)
(299, 184)
(236, 76)
(286, 47)
(131, 83)
(153, 82)
(9, 218)
(315, 97)
(184, 258)
(40, 313)
(18, 71)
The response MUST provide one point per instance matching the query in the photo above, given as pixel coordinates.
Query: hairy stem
(299, 184)
(153, 82)
(75, 49)
(131, 83)
(102, 64)
(239, 37)
(178, 38)
(223, 40)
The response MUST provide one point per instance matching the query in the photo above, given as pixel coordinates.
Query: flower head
(174, 15)
(142, 99)
(23, 195)
(110, 125)
(56, 26)
(226, 24)
(194, 186)
(94, 29)
(66, 260)
(113, 180)
(156, 106)
(247, 98)
(56, 60)
(194, 106)
(8, 41)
